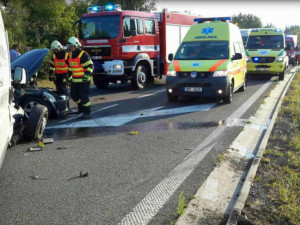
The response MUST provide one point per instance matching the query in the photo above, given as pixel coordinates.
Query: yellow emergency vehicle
(210, 62)
(265, 52)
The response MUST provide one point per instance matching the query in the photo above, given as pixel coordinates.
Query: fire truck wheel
(140, 77)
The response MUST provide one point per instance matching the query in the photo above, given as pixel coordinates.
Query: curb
(239, 204)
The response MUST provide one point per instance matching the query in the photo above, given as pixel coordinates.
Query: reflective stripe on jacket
(61, 67)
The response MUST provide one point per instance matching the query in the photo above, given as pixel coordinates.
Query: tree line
(36, 23)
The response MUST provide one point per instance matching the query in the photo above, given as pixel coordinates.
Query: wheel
(172, 98)
(228, 99)
(100, 83)
(29, 104)
(36, 123)
(243, 88)
(140, 77)
(281, 76)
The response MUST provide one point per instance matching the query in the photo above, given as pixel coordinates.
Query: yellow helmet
(74, 41)
(56, 45)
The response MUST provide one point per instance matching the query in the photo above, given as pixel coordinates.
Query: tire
(140, 78)
(29, 103)
(281, 76)
(100, 83)
(172, 98)
(228, 99)
(243, 88)
(36, 123)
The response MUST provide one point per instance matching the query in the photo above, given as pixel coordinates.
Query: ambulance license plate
(193, 89)
(262, 69)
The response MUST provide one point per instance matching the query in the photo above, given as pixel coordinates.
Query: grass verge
(275, 196)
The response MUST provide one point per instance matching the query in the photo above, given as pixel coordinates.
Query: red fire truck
(130, 45)
(291, 48)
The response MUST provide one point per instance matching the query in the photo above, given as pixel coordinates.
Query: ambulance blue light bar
(201, 20)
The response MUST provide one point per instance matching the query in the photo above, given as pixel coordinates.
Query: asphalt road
(132, 179)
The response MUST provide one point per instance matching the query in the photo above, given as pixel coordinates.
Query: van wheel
(243, 88)
(31, 102)
(36, 123)
(100, 83)
(228, 99)
(172, 98)
(281, 76)
(140, 78)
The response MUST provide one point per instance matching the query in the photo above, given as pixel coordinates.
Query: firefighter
(59, 67)
(80, 68)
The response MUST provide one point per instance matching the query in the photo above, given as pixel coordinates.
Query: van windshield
(99, 27)
(203, 50)
(265, 42)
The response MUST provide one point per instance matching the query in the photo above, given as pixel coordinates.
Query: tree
(246, 21)
(269, 25)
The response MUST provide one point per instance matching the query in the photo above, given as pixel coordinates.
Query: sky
(280, 13)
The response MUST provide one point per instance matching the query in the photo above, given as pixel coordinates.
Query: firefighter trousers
(61, 84)
(80, 94)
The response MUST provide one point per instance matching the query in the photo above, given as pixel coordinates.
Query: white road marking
(101, 109)
(143, 212)
(121, 119)
(153, 93)
(97, 110)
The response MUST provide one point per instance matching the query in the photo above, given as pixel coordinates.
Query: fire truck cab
(129, 45)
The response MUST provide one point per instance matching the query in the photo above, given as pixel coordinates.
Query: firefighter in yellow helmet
(59, 67)
(80, 69)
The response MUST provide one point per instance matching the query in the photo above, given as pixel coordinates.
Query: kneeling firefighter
(59, 67)
(80, 68)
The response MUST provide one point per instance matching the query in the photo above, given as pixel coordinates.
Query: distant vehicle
(210, 62)
(245, 35)
(130, 45)
(291, 45)
(265, 52)
(14, 125)
(32, 95)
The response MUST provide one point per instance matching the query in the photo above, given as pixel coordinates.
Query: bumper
(115, 67)
(210, 87)
(265, 68)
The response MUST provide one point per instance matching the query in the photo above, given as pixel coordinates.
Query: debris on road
(133, 132)
(41, 144)
(34, 149)
(48, 140)
(81, 175)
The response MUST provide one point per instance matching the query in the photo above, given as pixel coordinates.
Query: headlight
(49, 97)
(248, 59)
(279, 58)
(222, 73)
(171, 73)
(117, 66)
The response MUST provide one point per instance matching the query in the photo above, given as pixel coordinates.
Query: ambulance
(265, 52)
(210, 62)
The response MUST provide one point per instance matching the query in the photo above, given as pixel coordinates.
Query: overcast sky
(280, 13)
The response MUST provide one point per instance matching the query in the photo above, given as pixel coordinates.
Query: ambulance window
(149, 26)
(237, 47)
(140, 27)
(126, 27)
(232, 50)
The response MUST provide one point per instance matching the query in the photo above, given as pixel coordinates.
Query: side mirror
(170, 57)
(133, 27)
(75, 22)
(19, 75)
(237, 56)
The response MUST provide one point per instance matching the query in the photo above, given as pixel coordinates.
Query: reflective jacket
(60, 65)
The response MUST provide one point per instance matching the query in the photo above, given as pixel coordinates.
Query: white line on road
(151, 94)
(154, 201)
(97, 110)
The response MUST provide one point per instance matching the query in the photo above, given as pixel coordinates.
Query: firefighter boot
(86, 112)
(80, 108)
